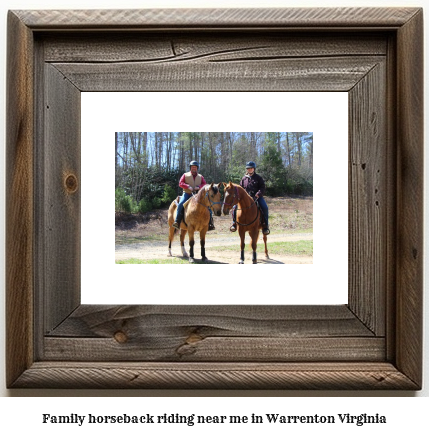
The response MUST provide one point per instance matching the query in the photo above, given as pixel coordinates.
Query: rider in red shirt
(190, 182)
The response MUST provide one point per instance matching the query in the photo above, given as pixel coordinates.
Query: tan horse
(248, 217)
(197, 217)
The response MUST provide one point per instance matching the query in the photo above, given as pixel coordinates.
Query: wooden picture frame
(373, 342)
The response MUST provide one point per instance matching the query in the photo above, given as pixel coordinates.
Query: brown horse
(248, 216)
(197, 217)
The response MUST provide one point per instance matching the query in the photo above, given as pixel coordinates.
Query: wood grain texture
(110, 375)
(61, 207)
(178, 47)
(330, 74)
(99, 321)
(213, 333)
(374, 343)
(207, 18)
(193, 348)
(409, 278)
(391, 193)
(368, 202)
(19, 200)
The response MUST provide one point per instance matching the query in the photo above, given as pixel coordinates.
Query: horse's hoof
(204, 259)
(191, 260)
(169, 253)
(254, 262)
(241, 262)
(267, 257)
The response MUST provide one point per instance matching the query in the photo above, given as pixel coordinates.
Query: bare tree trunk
(145, 158)
(288, 154)
(191, 150)
(182, 151)
(252, 144)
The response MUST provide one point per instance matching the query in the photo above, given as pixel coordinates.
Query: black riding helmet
(194, 163)
(250, 164)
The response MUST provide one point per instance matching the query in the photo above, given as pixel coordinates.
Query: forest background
(148, 165)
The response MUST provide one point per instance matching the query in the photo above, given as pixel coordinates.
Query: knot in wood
(193, 338)
(120, 337)
(71, 183)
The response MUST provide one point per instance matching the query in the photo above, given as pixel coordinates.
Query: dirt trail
(146, 236)
(159, 250)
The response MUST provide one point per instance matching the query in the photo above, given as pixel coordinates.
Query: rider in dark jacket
(254, 185)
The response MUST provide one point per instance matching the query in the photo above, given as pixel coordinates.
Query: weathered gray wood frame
(373, 342)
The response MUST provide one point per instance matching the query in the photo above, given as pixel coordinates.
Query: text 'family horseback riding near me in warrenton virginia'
(193, 419)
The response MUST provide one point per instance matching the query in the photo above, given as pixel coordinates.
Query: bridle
(211, 203)
(235, 195)
(234, 206)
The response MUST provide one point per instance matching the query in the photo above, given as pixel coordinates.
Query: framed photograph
(149, 164)
(55, 59)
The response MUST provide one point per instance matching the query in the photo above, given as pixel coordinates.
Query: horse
(196, 219)
(248, 217)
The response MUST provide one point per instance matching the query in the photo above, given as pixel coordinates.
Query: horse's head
(230, 197)
(213, 198)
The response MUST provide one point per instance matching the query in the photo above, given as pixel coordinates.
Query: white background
(404, 414)
(104, 282)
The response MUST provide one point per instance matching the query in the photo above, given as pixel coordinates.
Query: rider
(190, 182)
(254, 185)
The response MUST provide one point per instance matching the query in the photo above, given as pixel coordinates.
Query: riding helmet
(250, 164)
(194, 163)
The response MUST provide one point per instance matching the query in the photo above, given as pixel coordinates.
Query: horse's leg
(191, 244)
(170, 239)
(203, 245)
(266, 248)
(242, 245)
(254, 237)
(182, 242)
(171, 231)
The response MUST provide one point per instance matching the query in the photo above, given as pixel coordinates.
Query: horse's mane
(242, 190)
(203, 190)
(215, 189)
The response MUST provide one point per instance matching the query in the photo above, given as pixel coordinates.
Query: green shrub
(145, 206)
(123, 203)
(156, 203)
(169, 194)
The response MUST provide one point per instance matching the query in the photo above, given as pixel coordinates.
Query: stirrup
(266, 231)
(176, 225)
(233, 228)
(211, 227)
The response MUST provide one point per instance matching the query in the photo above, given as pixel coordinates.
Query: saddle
(185, 204)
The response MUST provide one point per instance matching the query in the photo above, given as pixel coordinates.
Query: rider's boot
(233, 228)
(266, 231)
(177, 221)
(265, 227)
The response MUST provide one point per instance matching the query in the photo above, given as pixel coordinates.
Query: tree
(147, 163)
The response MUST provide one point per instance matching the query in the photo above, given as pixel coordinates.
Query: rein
(248, 224)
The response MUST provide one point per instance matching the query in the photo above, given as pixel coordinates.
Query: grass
(292, 248)
(154, 261)
(292, 221)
